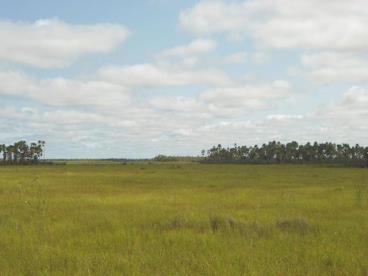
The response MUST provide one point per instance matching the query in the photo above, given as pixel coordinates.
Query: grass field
(183, 219)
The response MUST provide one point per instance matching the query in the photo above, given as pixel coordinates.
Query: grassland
(183, 219)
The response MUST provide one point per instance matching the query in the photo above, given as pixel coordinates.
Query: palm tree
(33, 152)
(3, 150)
(366, 156)
(290, 152)
(39, 149)
(23, 150)
(16, 151)
(9, 153)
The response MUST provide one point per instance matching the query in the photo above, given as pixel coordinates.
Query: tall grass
(183, 219)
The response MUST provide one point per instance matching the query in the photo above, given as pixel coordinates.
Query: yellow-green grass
(183, 219)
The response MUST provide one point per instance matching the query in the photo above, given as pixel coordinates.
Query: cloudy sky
(136, 78)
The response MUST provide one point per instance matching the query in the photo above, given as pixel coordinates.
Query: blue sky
(99, 79)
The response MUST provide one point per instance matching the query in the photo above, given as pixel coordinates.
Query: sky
(133, 79)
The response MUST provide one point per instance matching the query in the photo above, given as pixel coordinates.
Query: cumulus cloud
(284, 117)
(311, 24)
(226, 102)
(351, 110)
(177, 104)
(252, 97)
(209, 17)
(259, 57)
(343, 121)
(150, 75)
(198, 46)
(236, 58)
(184, 131)
(334, 67)
(346, 119)
(204, 105)
(356, 97)
(52, 43)
(63, 92)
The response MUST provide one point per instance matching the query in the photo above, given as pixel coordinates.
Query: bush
(297, 225)
(231, 225)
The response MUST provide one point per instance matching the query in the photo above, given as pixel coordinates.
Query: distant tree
(9, 153)
(3, 151)
(292, 152)
(366, 156)
(21, 153)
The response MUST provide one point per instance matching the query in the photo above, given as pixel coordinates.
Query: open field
(183, 219)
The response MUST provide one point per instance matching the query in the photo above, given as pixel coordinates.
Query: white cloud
(236, 58)
(186, 56)
(252, 97)
(150, 75)
(357, 98)
(209, 17)
(178, 104)
(106, 112)
(334, 67)
(307, 24)
(196, 47)
(226, 102)
(345, 120)
(284, 117)
(184, 131)
(63, 92)
(51, 43)
(259, 57)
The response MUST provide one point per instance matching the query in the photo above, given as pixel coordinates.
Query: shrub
(231, 225)
(297, 225)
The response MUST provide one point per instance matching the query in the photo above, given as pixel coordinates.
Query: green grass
(183, 219)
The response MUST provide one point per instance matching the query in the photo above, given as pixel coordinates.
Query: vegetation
(183, 219)
(276, 152)
(166, 158)
(22, 153)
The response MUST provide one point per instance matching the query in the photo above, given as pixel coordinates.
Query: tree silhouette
(22, 153)
(292, 152)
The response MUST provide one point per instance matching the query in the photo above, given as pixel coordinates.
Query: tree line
(21, 152)
(169, 158)
(292, 152)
